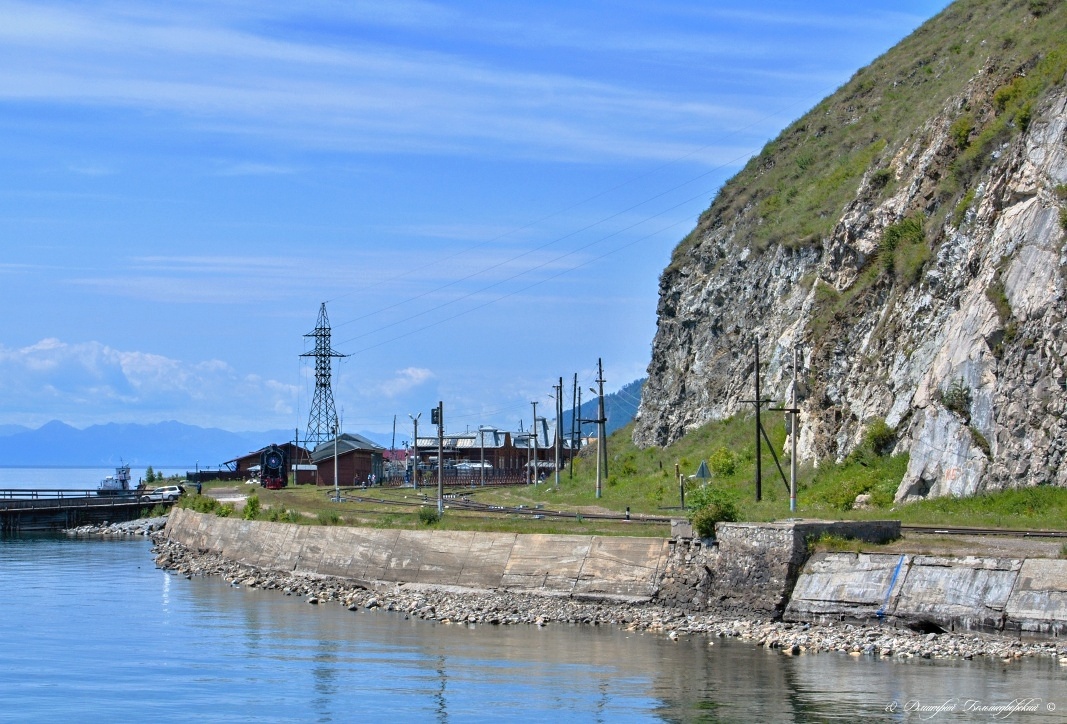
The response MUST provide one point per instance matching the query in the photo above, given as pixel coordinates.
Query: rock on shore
(498, 607)
(142, 526)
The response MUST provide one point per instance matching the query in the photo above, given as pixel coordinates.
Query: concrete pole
(793, 418)
(759, 450)
(415, 452)
(559, 425)
(336, 488)
(440, 457)
(536, 462)
(602, 441)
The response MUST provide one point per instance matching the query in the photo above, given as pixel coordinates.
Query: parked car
(161, 495)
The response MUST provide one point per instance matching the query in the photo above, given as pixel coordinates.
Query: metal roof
(346, 442)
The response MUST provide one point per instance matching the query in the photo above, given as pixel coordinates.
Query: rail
(460, 502)
(1005, 532)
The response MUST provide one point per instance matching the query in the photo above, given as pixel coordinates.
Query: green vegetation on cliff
(793, 192)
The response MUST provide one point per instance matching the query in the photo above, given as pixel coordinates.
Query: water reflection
(84, 623)
(324, 672)
(439, 697)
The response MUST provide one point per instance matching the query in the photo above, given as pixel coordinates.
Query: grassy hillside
(793, 192)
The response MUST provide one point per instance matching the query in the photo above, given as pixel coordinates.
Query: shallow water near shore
(94, 632)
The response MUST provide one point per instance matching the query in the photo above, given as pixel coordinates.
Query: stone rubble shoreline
(503, 608)
(142, 526)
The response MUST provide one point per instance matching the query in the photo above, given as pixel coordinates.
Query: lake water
(92, 631)
(63, 478)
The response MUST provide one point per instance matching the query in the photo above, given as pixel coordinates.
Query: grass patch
(429, 516)
(205, 504)
(1040, 507)
(903, 250)
(793, 191)
(828, 542)
(960, 212)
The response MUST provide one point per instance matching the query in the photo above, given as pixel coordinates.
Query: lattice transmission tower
(323, 415)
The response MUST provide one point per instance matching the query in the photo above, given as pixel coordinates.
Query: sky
(484, 195)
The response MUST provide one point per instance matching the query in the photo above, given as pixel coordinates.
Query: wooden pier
(23, 511)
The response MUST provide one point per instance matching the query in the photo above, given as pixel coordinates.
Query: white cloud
(350, 95)
(404, 381)
(90, 382)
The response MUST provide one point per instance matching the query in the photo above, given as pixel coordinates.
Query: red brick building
(357, 458)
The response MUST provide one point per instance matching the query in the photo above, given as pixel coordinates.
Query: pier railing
(26, 510)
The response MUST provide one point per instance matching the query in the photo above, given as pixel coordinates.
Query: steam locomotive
(273, 464)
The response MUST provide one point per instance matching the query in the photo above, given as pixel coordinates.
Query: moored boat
(117, 484)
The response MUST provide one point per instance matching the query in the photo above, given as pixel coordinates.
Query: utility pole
(559, 425)
(602, 437)
(793, 417)
(336, 488)
(440, 415)
(481, 440)
(759, 451)
(415, 452)
(575, 411)
(536, 462)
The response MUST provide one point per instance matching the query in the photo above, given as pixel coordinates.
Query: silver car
(161, 495)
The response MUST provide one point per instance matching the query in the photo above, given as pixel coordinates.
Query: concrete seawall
(752, 570)
(1022, 597)
(611, 568)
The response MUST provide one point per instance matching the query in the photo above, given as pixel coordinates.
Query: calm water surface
(92, 631)
(67, 478)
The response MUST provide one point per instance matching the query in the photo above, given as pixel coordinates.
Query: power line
(396, 277)
(535, 268)
(512, 293)
(678, 159)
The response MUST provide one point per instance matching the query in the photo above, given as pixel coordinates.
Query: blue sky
(484, 194)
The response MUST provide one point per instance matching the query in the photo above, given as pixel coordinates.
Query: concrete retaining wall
(1025, 597)
(750, 568)
(572, 565)
(757, 570)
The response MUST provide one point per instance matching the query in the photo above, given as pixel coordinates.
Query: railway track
(957, 530)
(461, 502)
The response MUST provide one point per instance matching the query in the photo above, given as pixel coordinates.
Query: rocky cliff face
(935, 307)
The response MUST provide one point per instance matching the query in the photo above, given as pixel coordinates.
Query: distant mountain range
(161, 445)
(176, 447)
(619, 409)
